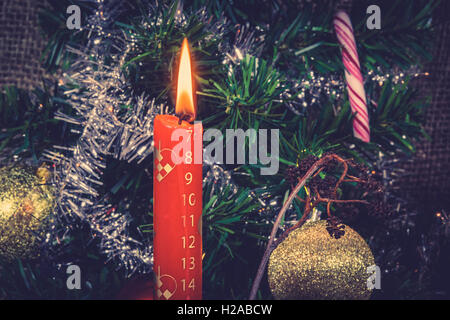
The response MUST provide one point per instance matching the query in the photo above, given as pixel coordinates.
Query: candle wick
(185, 117)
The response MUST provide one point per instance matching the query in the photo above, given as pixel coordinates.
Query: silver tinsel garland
(101, 90)
(99, 93)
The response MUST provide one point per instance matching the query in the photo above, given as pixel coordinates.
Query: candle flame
(185, 99)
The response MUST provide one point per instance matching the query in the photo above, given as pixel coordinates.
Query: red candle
(177, 196)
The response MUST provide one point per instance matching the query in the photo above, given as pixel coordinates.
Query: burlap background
(21, 43)
(427, 178)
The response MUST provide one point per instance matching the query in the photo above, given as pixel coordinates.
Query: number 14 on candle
(177, 214)
(177, 195)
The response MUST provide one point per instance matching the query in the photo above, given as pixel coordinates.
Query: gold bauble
(25, 204)
(310, 264)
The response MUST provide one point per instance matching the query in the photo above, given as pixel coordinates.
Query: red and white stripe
(353, 76)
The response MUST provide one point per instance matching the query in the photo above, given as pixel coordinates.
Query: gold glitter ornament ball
(25, 203)
(310, 264)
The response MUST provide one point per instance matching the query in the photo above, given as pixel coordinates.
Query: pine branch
(27, 121)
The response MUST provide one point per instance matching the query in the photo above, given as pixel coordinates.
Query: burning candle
(177, 195)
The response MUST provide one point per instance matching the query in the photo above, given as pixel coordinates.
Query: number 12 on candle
(177, 213)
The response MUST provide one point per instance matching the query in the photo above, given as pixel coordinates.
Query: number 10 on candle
(177, 216)
(177, 196)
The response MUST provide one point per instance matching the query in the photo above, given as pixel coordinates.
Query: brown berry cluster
(325, 186)
(368, 196)
(296, 172)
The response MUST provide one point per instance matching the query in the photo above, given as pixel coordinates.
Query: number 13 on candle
(177, 196)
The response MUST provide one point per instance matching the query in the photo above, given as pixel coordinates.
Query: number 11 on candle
(177, 215)
(177, 195)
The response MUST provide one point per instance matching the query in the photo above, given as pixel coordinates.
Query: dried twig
(310, 203)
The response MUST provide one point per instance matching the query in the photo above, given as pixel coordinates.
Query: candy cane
(353, 77)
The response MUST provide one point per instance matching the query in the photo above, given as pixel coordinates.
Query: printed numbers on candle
(188, 159)
(191, 263)
(190, 286)
(188, 177)
(191, 242)
(191, 218)
(190, 198)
